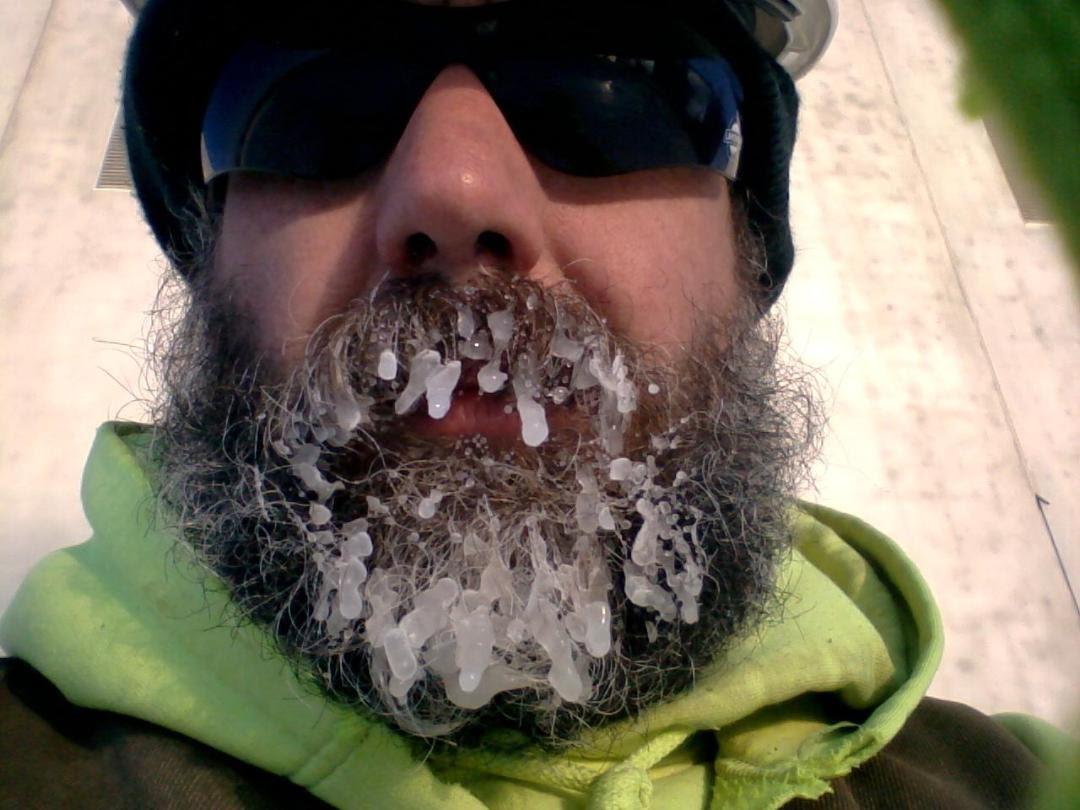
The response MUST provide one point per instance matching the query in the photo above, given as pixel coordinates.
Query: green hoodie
(128, 623)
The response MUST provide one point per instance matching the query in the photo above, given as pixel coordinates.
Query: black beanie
(179, 47)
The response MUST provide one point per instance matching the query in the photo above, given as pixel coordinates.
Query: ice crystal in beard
(548, 572)
(509, 588)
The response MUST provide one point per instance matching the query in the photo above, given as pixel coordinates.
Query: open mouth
(503, 417)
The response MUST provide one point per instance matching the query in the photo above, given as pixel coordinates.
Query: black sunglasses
(607, 99)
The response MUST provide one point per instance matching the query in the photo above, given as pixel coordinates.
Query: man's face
(474, 438)
(649, 250)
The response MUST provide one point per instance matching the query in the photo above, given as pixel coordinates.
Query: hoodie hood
(128, 622)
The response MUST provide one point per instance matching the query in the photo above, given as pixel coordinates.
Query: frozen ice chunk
(475, 640)
(399, 688)
(443, 593)
(576, 627)
(324, 538)
(644, 549)
(357, 545)
(375, 506)
(477, 347)
(429, 505)
(597, 628)
(440, 388)
(588, 501)
(423, 365)
(350, 600)
(586, 511)
(496, 581)
(422, 622)
(387, 364)
(313, 479)
(534, 426)
(349, 411)
(501, 324)
(516, 631)
(689, 610)
(647, 594)
(566, 347)
(565, 680)
(490, 378)
(582, 378)
(318, 515)
(430, 612)
(399, 654)
(497, 678)
(466, 322)
(620, 468)
(606, 519)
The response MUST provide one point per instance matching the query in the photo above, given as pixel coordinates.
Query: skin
(647, 249)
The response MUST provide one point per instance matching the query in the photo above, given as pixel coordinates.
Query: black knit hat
(179, 47)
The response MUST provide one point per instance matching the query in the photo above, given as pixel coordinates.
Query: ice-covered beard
(578, 575)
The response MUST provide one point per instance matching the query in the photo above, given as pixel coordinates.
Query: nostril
(493, 244)
(420, 247)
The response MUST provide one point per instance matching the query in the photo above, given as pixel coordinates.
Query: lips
(475, 413)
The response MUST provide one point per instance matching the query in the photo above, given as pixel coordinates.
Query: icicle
(475, 640)
(620, 469)
(606, 519)
(534, 426)
(588, 501)
(388, 365)
(466, 322)
(477, 347)
(318, 515)
(440, 388)
(490, 379)
(597, 629)
(565, 347)
(304, 459)
(349, 411)
(423, 365)
(429, 614)
(399, 654)
(644, 549)
(375, 506)
(428, 505)
(501, 324)
(646, 594)
(562, 675)
(559, 394)
(350, 601)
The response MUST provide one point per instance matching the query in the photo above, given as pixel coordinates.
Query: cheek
(656, 266)
(288, 263)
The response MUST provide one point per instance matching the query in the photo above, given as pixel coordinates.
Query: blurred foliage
(1024, 63)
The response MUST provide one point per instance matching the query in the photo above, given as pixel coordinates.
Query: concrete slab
(922, 442)
(22, 24)
(77, 273)
(1014, 277)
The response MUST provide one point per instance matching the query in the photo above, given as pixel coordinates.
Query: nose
(458, 191)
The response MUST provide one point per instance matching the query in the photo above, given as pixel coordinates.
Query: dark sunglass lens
(594, 116)
(328, 118)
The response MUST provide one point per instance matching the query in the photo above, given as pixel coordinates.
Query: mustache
(415, 344)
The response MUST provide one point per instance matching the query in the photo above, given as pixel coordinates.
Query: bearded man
(473, 478)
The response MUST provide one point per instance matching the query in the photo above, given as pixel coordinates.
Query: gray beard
(579, 623)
